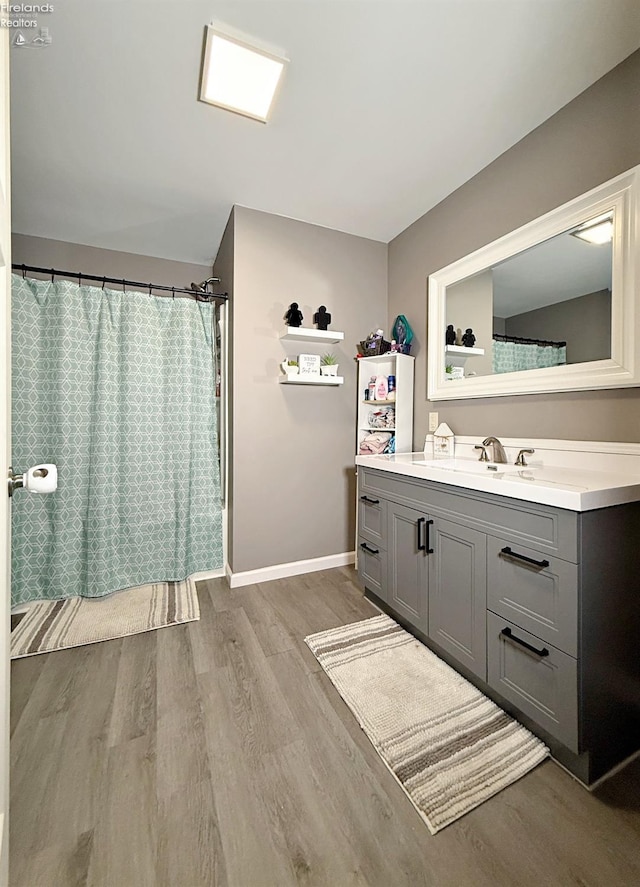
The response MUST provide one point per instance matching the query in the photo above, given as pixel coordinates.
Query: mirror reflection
(546, 306)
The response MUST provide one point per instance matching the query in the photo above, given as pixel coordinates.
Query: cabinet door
(458, 594)
(407, 564)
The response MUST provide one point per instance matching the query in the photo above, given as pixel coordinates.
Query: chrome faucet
(498, 452)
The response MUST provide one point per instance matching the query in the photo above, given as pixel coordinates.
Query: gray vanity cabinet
(538, 605)
(407, 564)
(458, 593)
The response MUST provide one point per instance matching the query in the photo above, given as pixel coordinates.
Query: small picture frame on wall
(309, 364)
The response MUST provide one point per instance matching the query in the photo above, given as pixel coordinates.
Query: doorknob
(38, 479)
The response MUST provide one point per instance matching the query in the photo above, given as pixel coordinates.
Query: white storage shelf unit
(391, 364)
(310, 337)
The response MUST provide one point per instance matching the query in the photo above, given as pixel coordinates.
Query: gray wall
(590, 140)
(293, 480)
(470, 305)
(45, 253)
(583, 323)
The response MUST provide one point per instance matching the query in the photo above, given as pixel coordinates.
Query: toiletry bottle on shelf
(391, 387)
(372, 388)
(381, 388)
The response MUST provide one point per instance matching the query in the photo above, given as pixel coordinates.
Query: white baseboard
(208, 574)
(295, 568)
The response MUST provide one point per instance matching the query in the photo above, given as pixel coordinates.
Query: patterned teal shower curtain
(508, 357)
(118, 390)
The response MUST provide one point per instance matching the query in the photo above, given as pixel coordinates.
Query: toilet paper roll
(41, 478)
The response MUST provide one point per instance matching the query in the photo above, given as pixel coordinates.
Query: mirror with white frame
(549, 307)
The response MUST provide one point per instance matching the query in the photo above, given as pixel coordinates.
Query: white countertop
(573, 489)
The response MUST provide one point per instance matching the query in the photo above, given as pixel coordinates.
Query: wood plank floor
(218, 753)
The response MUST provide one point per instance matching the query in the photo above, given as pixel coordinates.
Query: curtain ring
(150, 287)
(104, 280)
(24, 271)
(79, 279)
(52, 275)
(173, 293)
(123, 285)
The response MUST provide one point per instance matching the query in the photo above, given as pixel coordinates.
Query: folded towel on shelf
(375, 443)
(383, 417)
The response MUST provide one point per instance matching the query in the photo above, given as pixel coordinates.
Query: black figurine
(450, 335)
(293, 316)
(468, 340)
(322, 318)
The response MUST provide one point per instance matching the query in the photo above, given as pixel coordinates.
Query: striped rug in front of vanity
(449, 747)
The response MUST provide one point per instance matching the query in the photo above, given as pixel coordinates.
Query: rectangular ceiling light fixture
(598, 230)
(239, 77)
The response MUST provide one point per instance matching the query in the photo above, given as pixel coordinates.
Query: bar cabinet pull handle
(365, 547)
(428, 548)
(521, 557)
(420, 524)
(508, 635)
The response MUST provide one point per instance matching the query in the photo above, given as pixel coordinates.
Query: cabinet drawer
(544, 687)
(372, 567)
(372, 517)
(536, 591)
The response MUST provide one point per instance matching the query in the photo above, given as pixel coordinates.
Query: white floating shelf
(457, 355)
(304, 334)
(310, 380)
(462, 351)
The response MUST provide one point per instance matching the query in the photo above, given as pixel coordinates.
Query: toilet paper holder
(38, 479)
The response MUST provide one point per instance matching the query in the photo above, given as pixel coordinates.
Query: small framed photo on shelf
(309, 364)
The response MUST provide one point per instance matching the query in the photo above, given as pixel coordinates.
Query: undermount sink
(474, 466)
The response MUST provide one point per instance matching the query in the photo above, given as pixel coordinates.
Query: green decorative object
(117, 389)
(328, 360)
(402, 333)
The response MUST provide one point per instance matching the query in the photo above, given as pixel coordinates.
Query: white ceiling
(387, 106)
(561, 268)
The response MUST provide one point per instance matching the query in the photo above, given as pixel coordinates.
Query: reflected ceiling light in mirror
(598, 230)
(239, 77)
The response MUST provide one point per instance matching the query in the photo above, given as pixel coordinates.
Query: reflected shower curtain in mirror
(511, 356)
(118, 390)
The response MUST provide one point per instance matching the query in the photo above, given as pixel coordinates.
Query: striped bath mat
(56, 625)
(449, 747)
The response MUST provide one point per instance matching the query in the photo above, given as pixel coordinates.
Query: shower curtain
(118, 390)
(511, 356)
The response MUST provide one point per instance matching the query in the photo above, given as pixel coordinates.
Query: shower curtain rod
(521, 341)
(121, 281)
